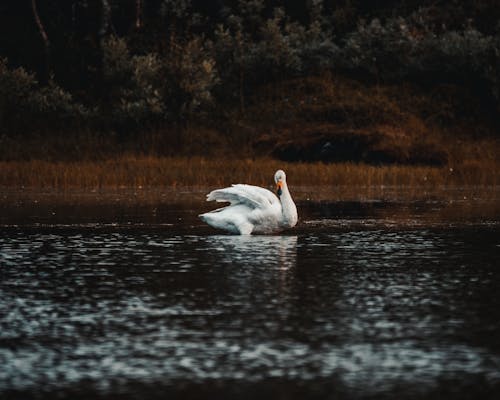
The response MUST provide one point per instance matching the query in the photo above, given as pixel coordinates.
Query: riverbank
(322, 209)
(148, 171)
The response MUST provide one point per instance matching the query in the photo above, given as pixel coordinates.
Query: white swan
(253, 209)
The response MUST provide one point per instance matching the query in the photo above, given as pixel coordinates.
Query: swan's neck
(288, 208)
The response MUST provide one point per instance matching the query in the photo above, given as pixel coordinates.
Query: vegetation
(386, 82)
(147, 172)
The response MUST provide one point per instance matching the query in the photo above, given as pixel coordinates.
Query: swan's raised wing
(251, 196)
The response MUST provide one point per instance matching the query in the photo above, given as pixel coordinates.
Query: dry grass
(134, 172)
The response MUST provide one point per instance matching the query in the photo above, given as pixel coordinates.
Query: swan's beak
(279, 185)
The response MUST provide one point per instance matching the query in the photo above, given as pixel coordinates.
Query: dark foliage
(119, 65)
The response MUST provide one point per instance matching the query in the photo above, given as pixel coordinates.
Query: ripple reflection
(370, 310)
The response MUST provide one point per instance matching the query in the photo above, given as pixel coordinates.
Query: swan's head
(280, 179)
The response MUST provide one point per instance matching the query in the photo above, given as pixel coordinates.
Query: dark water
(360, 301)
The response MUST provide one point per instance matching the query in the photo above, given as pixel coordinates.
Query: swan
(253, 209)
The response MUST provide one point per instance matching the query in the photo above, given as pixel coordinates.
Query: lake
(123, 295)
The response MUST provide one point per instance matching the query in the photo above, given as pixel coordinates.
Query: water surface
(361, 300)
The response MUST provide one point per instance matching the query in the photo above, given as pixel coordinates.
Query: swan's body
(253, 209)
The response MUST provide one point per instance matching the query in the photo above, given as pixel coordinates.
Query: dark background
(134, 66)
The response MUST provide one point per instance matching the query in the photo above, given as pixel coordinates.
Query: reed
(150, 171)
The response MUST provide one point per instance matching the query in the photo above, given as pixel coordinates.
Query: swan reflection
(273, 251)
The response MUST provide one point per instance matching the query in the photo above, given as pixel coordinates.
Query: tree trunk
(104, 27)
(138, 14)
(105, 16)
(45, 39)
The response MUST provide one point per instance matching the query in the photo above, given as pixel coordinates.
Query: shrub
(278, 49)
(147, 88)
(410, 49)
(26, 106)
(192, 76)
(132, 84)
(378, 49)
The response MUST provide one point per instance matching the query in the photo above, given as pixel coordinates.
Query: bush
(381, 50)
(132, 84)
(147, 88)
(278, 49)
(402, 49)
(192, 76)
(25, 106)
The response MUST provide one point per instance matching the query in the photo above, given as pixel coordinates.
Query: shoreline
(176, 209)
(148, 172)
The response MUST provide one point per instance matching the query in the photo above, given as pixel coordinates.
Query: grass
(147, 171)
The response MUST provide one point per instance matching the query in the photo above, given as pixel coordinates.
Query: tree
(138, 14)
(45, 39)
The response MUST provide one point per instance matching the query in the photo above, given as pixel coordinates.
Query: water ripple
(374, 309)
